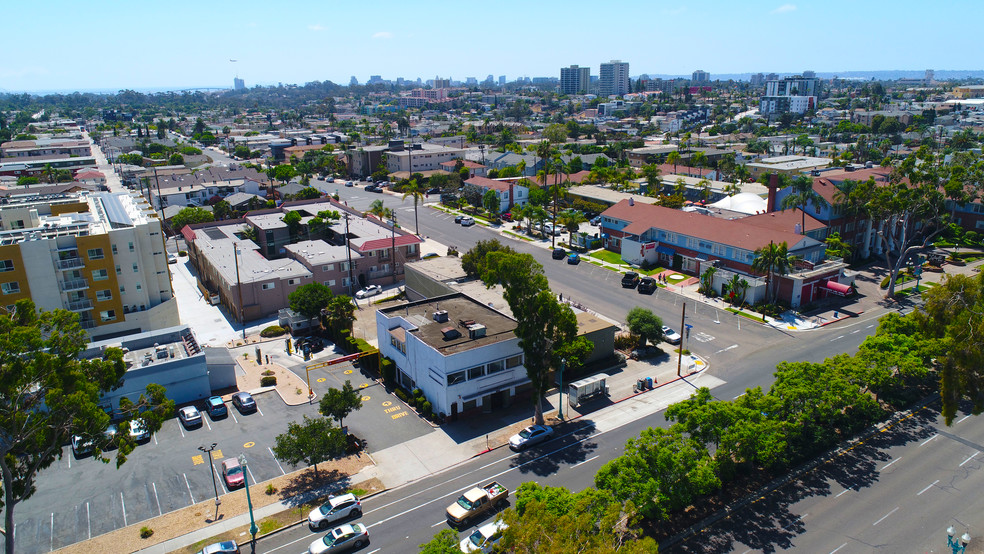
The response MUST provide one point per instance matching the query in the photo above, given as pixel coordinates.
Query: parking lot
(81, 498)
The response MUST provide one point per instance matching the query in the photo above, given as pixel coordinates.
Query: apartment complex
(795, 94)
(575, 80)
(99, 255)
(613, 78)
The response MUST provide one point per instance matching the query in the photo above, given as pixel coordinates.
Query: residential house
(510, 193)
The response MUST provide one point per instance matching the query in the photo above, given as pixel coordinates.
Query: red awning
(840, 289)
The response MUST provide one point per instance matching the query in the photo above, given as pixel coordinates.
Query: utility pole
(683, 321)
(348, 250)
(393, 243)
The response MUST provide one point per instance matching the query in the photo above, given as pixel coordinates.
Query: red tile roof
(377, 244)
(464, 163)
(784, 220)
(486, 183)
(730, 232)
(826, 183)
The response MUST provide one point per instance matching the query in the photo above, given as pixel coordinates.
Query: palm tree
(705, 189)
(698, 159)
(413, 189)
(652, 173)
(801, 196)
(737, 287)
(773, 260)
(732, 189)
(741, 174)
(707, 281)
(377, 209)
(673, 158)
(571, 220)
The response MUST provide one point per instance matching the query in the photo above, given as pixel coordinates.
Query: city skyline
(143, 47)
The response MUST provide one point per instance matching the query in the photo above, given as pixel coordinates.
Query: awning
(665, 250)
(840, 289)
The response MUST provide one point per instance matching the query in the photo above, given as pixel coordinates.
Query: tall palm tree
(652, 173)
(773, 260)
(571, 221)
(742, 174)
(412, 189)
(803, 195)
(673, 158)
(377, 209)
(698, 159)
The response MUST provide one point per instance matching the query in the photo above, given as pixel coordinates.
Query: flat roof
(318, 252)
(219, 243)
(461, 310)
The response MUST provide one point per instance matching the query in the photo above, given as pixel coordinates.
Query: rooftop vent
(441, 316)
(476, 331)
(450, 333)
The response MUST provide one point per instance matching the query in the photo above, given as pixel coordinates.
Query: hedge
(268, 381)
(272, 331)
(388, 370)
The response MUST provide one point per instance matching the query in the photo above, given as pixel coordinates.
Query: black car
(369, 188)
(647, 285)
(434, 190)
(559, 253)
(630, 279)
(458, 218)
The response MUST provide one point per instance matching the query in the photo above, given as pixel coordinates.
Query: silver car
(534, 434)
(337, 507)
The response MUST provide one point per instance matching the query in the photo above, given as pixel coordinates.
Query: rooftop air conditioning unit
(476, 331)
(441, 316)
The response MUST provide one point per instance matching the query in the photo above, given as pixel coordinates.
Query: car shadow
(569, 446)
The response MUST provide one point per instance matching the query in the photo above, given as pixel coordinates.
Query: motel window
(108, 315)
(514, 361)
(476, 372)
(104, 295)
(496, 367)
(95, 253)
(100, 275)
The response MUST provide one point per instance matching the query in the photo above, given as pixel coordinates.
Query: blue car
(573, 258)
(216, 407)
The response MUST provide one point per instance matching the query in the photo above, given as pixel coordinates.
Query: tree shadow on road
(569, 447)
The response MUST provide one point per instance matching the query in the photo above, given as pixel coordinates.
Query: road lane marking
(155, 440)
(726, 349)
(884, 516)
(250, 471)
(187, 484)
(181, 428)
(123, 505)
(928, 487)
(70, 460)
(159, 512)
(249, 444)
(739, 396)
(929, 439)
(870, 326)
(963, 418)
(51, 533)
(259, 410)
(856, 331)
(838, 548)
(234, 418)
(836, 338)
(968, 459)
(276, 460)
(584, 462)
(442, 522)
(307, 538)
(207, 423)
(884, 467)
(845, 491)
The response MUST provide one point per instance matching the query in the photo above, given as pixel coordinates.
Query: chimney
(773, 187)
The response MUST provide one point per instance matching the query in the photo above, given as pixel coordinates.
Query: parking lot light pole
(208, 452)
(252, 522)
(957, 546)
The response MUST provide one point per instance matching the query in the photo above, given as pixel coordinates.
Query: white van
(484, 538)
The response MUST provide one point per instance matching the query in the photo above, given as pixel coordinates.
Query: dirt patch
(201, 515)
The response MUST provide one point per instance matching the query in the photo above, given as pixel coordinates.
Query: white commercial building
(613, 78)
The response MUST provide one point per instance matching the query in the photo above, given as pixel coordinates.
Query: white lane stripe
(442, 522)
(928, 487)
(259, 410)
(51, 533)
(845, 491)
(838, 548)
(584, 462)
(963, 418)
(187, 484)
(305, 538)
(88, 519)
(276, 460)
(123, 504)
(157, 498)
(234, 418)
(968, 459)
(884, 516)
(250, 471)
(205, 419)
(884, 467)
(929, 439)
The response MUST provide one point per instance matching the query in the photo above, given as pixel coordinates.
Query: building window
(692, 243)
(108, 315)
(398, 344)
(122, 289)
(6, 265)
(456, 377)
(95, 253)
(103, 295)
(10, 288)
(476, 372)
(119, 271)
(330, 283)
(514, 361)
(329, 267)
(411, 249)
(114, 250)
(496, 367)
(100, 275)
(139, 287)
(293, 281)
(269, 286)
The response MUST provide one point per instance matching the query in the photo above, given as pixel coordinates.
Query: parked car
(243, 401)
(329, 179)
(429, 255)
(369, 179)
(81, 446)
(172, 258)
(559, 253)
(534, 434)
(369, 290)
(232, 473)
(109, 436)
(485, 538)
(573, 258)
(434, 190)
(647, 285)
(349, 183)
(671, 336)
(630, 280)
(368, 188)
(312, 344)
(138, 430)
(376, 188)
(596, 221)
(337, 508)
(216, 407)
(342, 538)
(467, 221)
(190, 416)
(224, 547)
(506, 216)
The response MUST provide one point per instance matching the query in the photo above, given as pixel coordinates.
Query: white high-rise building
(700, 76)
(614, 78)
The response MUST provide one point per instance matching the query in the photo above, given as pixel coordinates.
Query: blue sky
(111, 45)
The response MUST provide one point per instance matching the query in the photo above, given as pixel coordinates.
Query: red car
(232, 472)
(506, 216)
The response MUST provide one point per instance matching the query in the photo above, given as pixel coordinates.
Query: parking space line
(70, 460)
(276, 460)
(259, 410)
(181, 428)
(234, 418)
(187, 484)
(155, 439)
(205, 419)
(123, 505)
(88, 519)
(250, 471)
(51, 533)
(158, 499)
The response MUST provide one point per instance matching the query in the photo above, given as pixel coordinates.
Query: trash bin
(649, 382)
(641, 384)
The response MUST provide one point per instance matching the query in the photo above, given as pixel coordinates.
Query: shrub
(425, 408)
(273, 331)
(267, 372)
(417, 392)
(182, 253)
(268, 381)
(402, 395)
(271, 490)
(388, 370)
(146, 532)
(626, 341)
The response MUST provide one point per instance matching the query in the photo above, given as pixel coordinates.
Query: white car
(671, 336)
(337, 507)
(484, 538)
(138, 430)
(346, 537)
(190, 416)
(534, 434)
(467, 221)
(371, 290)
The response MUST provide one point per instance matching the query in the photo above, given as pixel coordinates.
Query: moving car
(216, 407)
(671, 336)
(573, 258)
(475, 502)
(243, 401)
(630, 279)
(224, 547)
(349, 183)
(484, 538)
(369, 187)
(467, 221)
(647, 285)
(534, 434)
(138, 430)
(232, 473)
(342, 538)
(370, 290)
(190, 416)
(559, 253)
(337, 507)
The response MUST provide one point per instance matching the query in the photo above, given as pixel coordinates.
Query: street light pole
(957, 546)
(560, 394)
(208, 452)
(252, 522)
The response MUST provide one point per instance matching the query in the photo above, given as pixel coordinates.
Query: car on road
(81, 446)
(376, 188)
(559, 253)
(138, 430)
(369, 290)
(647, 285)
(434, 190)
(671, 336)
(349, 184)
(337, 508)
(429, 255)
(458, 218)
(485, 538)
(216, 407)
(243, 401)
(507, 216)
(232, 473)
(630, 280)
(329, 179)
(369, 187)
(534, 434)
(224, 547)
(573, 258)
(190, 416)
(467, 221)
(346, 537)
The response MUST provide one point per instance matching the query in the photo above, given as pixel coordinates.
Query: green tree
(283, 173)
(556, 133)
(176, 159)
(802, 196)
(222, 210)
(473, 262)
(645, 324)
(189, 216)
(445, 542)
(50, 394)
(707, 281)
(653, 174)
(490, 201)
(673, 158)
(339, 314)
(338, 404)
(413, 190)
(571, 221)
(308, 300)
(293, 221)
(307, 193)
(773, 260)
(312, 442)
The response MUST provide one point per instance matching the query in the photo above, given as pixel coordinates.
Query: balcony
(74, 284)
(80, 305)
(87, 324)
(70, 263)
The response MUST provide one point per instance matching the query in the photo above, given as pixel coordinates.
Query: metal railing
(74, 284)
(70, 263)
(80, 305)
